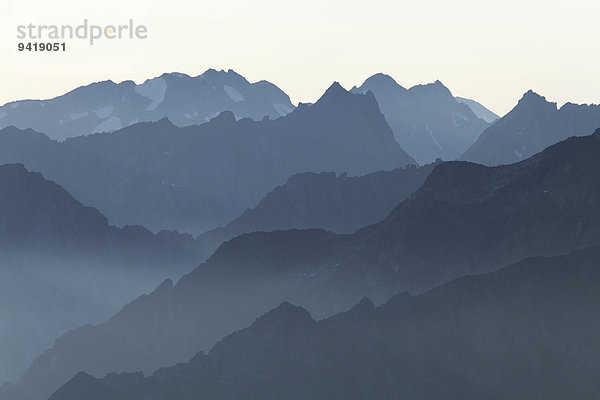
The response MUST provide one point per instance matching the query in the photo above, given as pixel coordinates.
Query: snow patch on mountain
(233, 94)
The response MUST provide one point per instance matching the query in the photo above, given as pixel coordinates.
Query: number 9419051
(35, 46)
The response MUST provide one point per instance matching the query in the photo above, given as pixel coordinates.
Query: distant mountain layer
(107, 106)
(531, 330)
(196, 178)
(465, 219)
(62, 265)
(531, 126)
(479, 110)
(428, 122)
(340, 204)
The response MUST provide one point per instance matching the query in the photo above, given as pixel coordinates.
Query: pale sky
(492, 52)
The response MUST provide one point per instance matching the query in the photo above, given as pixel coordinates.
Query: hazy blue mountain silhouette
(196, 178)
(466, 219)
(107, 106)
(530, 330)
(428, 122)
(479, 110)
(531, 126)
(337, 203)
(62, 265)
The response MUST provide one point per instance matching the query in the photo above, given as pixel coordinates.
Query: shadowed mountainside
(530, 330)
(62, 265)
(466, 219)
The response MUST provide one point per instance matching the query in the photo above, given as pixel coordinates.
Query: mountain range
(336, 203)
(40, 217)
(200, 177)
(530, 127)
(62, 265)
(530, 330)
(427, 120)
(107, 106)
(466, 219)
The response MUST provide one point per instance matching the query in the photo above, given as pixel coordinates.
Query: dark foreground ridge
(531, 330)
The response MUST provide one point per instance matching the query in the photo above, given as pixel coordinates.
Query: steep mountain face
(531, 126)
(530, 330)
(62, 265)
(201, 177)
(466, 219)
(107, 106)
(428, 122)
(336, 203)
(479, 110)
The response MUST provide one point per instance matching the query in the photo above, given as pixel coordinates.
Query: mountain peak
(533, 102)
(285, 314)
(164, 287)
(335, 89)
(531, 97)
(365, 304)
(435, 89)
(335, 94)
(86, 386)
(174, 75)
(225, 117)
(16, 168)
(228, 75)
(381, 79)
(165, 121)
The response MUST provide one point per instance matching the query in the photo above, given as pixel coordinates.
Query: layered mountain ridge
(336, 203)
(63, 265)
(530, 330)
(466, 219)
(204, 176)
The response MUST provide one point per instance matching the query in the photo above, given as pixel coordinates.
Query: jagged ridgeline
(184, 100)
(200, 177)
(466, 219)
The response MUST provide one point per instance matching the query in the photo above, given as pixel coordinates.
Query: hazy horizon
(492, 53)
